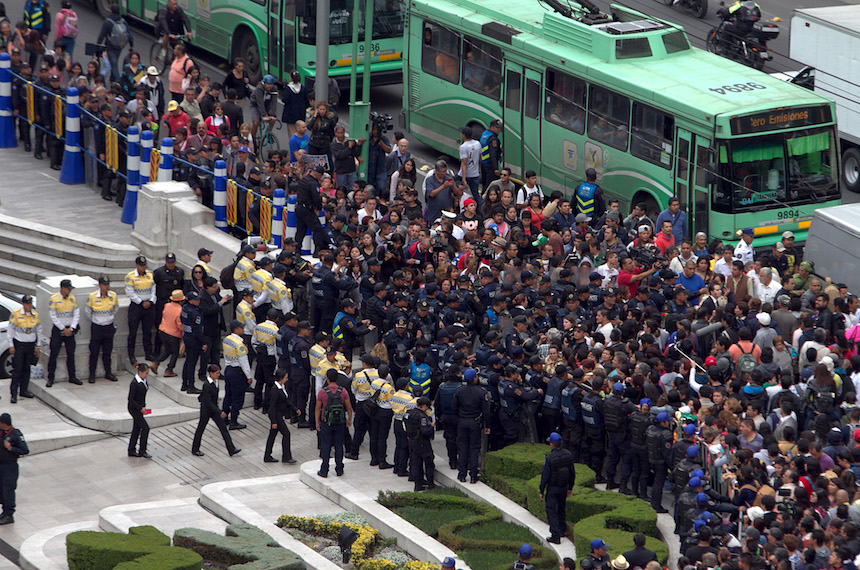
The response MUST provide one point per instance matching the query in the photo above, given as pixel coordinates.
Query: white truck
(833, 244)
(827, 41)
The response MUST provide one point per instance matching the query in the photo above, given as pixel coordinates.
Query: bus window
(608, 117)
(532, 106)
(565, 101)
(675, 42)
(513, 93)
(632, 47)
(482, 68)
(440, 55)
(388, 20)
(652, 135)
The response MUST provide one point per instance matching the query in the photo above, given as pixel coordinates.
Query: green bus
(277, 36)
(627, 95)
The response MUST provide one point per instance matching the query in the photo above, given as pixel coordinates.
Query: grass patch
(429, 520)
(498, 530)
(487, 559)
(448, 492)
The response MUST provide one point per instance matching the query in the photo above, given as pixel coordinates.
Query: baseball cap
(787, 235)
(54, 77)
(468, 201)
(248, 249)
(203, 251)
(67, 283)
(645, 402)
(172, 106)
(104, 280)
(140, 260)
(236, 324)
(582, 218)
(702, 498)
(5, 419)
(779, 246)
(151, 70)
(242, 148)
(748, 232)
(448, 562)
(193, 296)
(470, 374)
(689, 429)
(319, 168)
(594, 275)
(644, 228)
(304, 325)
(618, 387)
(598, 543)
(807, 265)
(554, 438)
(692, 451)
(695, 482)
(525, 551)
(662, 417)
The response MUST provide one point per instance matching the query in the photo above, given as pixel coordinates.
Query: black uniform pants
(639, 471)
(322, 315)
(101, 340)
(572, 438)
(550, 421)
(212, 355)
(449, 423)
(468, 446)
(8, 484)
(234, 392)
(361, 422)
(193, 350)
(380, 425)
(594, 450)
(215, 416)
(40, 139)
(25, 354)
(138, 316)
(488, 174)
(554, 500)
(401, 448)
(332, 437)
(301, 382)
(511, 426)
(285, 439)
(55, 149)
(618, 450)
(140, 430)
(159, 313)
(58, 339)
(659, 470)
(307, 218)
(421, 465)
(265, 377)
(24, 129)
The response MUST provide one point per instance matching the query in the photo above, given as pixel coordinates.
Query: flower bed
(515, 472)
(477, 533)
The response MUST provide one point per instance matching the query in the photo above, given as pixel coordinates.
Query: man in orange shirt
(665, 238)
(178, 70)
(170, 333)
(745, 345)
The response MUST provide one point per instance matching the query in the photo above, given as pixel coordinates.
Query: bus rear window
(632, 47)
(440, 53)
(675, 42)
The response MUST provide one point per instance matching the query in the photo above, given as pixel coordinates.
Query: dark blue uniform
(326, 287)
(471, 404)
(444, 407)
(556, 479)
(192, 335)
(616, 414)
(9, 468)
(594, 446)
(300, 376)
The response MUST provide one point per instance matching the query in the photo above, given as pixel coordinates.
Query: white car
(8, 303)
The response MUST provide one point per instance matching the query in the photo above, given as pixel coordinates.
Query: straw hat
(177, 295)
(620, 563)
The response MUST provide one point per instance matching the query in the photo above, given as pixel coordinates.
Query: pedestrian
(102, 307)
(420, 429)
(470, 163)
(678, 217)
(179, 69)
(170, 331)
(597, 559)
(209, 411)
(24, 334)
(333, 415)
(65, 316)
(278, 408)
(13, 447)
(237, 374)
(556, 485)
(522, 563)
(212, 306)
(137, 408)
(115, 35)
(140, 290)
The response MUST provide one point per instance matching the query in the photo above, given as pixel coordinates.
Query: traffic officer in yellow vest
(244, 268)
(245, 315)
(401, 402)
(279, 296)
(380, 423)
(316, 355)
(361, 384)
(259, 281)
(264, 340)
(140, 290)
(589, 196)
(333, 359)
(101, 309)
(25, 336)
(491, 153)
(204, 257)
(65, 316)
(237, 374)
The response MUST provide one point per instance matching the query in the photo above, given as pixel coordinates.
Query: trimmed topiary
(244, 546)
(144, 547)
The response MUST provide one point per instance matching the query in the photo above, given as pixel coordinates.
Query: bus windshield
(792, 168)
(388, 20)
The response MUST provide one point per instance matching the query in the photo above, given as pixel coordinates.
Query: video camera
(381, 122)
(484, 250)
(649, 256)
(94, 49)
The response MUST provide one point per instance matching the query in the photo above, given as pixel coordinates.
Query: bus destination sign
(785, 118)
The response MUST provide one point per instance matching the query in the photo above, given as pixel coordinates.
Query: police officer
(103, 173)
(361, 389)
(244, 268)
(13, 447)
(369, 279)
(511, 397)
(659, 443)
(237, 374)
(25, 335)
(518, 335)
(245, 315)
(491, 153)
(401, 402)
(19, 103)
(589, 196)
(48, 119)
(597, 559)
(263, 341)
(102, 307)
(345, 327)
(421, 324)
(300, 371)
(488, 349)
(280, 296)
(639, 470)
(592, 418)
(191, 318)
(398, 342)
(285, 334)
(616, 417)
(420, 429)
(444, 407)
(260, 278)
(140, 290)
(309, 202)
(471, 405)
(65, 315)
(42, 82)
(168, 278)
(571, 413)
(326, 286)
(380, 422)
(556, 485)
(551, 410)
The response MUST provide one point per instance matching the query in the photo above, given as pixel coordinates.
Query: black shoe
(37, 156)
(49, 383)
(56, 167)
(75, 381)
(627, 491)
(269, 459)
(6, 519)
(132, 454)
(183, 388)
(248, 390)
(144, 455)
(353, 456)
(289, 461)
(661, 511)
(431, 486)
(303, 425)
(236, 426)
(321, 474)
(198, 453)
(452, 465)
(473, 480)
(294, 420)
(386, 465)
(404, 474)
(611, 486)
(339, 473)
(461, 478)
(419, 488)
(91, 379)
(374, 463)
(193, 390)
(107, 198)
(235, 451)
(553, 539)
(111, 377)
(27, 148)
(28, 394)
(257, 406)
(14, 399)
(265, 411)
(599, 480)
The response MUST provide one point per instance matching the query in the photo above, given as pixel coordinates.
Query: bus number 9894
(788, 214)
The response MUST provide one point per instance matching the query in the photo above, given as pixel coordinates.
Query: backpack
(746, 362)
(118, 36)
(70, 25)
(823, 400)
(226, 276)
(334, 413)
(370, 405)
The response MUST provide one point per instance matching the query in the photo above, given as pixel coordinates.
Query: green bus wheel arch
(652, 206)
(247, 46)
(103, 6)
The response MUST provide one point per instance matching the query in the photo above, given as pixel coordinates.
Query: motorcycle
(698, 7)
(750, 50)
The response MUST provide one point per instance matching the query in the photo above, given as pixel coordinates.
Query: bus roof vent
(497, 31)
(621, 28)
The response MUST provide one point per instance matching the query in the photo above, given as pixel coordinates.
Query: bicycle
(161, 61)
(267, 140)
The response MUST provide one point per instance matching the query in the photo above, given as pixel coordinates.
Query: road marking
(46, 175)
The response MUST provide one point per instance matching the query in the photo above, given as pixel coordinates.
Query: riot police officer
(308, 204)
(419, 429)
(489, 348)
(551, 411)
(300, 371)
(511, 398)
(422, 322)
(471, 404)
(571, 413)
(597, 559)
(398, 342)
(639, 470)
(444, 407)
(518, 335)
(658, 439)
(195, 342)
(556, 485)
(594, 446)
(616, 416)
(325, 286)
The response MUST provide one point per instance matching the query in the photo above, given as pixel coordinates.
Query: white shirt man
(767, 287)
(744, 250)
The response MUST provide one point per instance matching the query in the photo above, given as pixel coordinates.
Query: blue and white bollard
(165, 166)
(7, 122)
(129, 206)
(219, 200)
(72, 171)
(290, 232)
(145, 155)
(278, 217)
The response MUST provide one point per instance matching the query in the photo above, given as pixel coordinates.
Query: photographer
(380, 146)
(631, 275)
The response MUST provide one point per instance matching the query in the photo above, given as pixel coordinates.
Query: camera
(649, 256)
(484, 250)
(94, 49)
(381, 122)
(439, 244)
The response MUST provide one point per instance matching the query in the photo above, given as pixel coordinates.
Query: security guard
(471, 404)
(444, 408)
(401, 402)
(491, 153)
(279, 295)
(571, 413)
(37, 17)
(421, 324)
(308, 204)
(361, 384)
(263, 341)
(616, 417)
(300, 371)
(420, 429)
(237, 374)
(259, 281)
(380, 422)
(594, 446)
(285, 335)
(345, 327)
(316, 356)
(140, 290)
(104, 174)
(12, 448)
(639, 422)
(102, 307)
(511, 397)
(556, 485)
(325, 286)
(245, 315)
(658, 439)
(597, 559)
(589, 196)
(19, 103)
(48, 118)
(399, 343)
(25, 336)
(191, 318)
(42, 82)
(244, 268)
(551, 410)
(168, 278)
(66, 316)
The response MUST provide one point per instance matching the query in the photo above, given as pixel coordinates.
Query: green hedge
(143, 548)
(515, 472)
(244, 545)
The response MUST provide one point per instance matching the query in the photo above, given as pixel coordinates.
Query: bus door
(521, 116)
(701, 181)
(275, 60)
(135, 8)
(691, 164)
(683, 156)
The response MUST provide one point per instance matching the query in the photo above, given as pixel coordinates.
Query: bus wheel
(851, 169)
(652, 209)
(103, 6)
(246, 48)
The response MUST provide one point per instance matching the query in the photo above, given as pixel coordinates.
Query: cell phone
(146, 411)
(784, 492)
